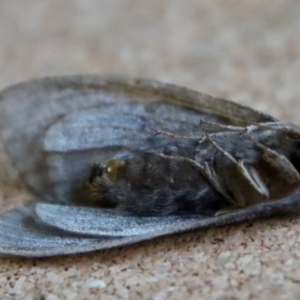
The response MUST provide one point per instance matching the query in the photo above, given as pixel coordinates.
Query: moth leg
(212, 177)
(223, 127)
(226, 210)
(175, 136)
(219, 127)
(288, 128)
(184, 159)
(206, 170)
(247, 172)
(210, 174)
(237, 174)
(282, 126)
(279, 162)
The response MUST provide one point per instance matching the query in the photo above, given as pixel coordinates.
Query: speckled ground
(248, 51)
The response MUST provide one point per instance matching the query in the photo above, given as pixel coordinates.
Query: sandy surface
(247, 51)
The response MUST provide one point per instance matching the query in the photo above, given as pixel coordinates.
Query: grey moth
(114, 161)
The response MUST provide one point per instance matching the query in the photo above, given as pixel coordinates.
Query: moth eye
(114, 169)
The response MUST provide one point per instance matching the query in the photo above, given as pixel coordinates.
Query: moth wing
(23, 233)
(33, 112)
(107, 222)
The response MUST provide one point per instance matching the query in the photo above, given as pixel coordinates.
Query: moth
(114, 161)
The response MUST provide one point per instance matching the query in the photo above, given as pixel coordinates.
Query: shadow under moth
(114, 161)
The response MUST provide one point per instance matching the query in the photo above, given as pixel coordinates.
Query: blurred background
(248, 51)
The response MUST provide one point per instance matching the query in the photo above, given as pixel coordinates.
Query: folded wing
(54, 128)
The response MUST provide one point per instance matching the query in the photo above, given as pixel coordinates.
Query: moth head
(112, 182)
(100, 180)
